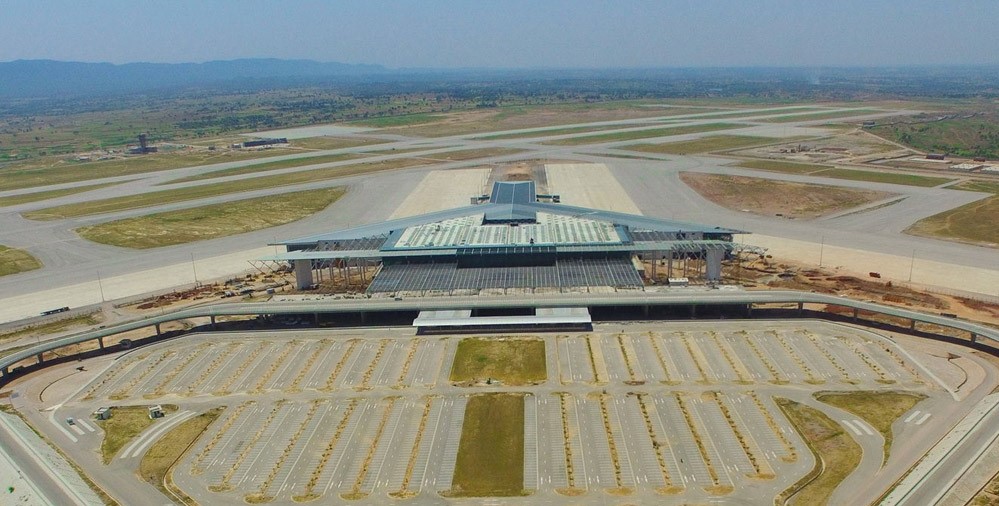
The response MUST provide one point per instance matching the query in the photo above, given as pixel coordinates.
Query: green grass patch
(973, 223)
(325, 142)
(978, 186)
(785, 167)
(490, 459)
(62, 171)
(212, 221)
(880, 409)
(704, 145)
(643, 134)
(883, 177)
(211, 190)
(87, 320)
(13, 261)
(25, 198)
(836, 454)
(125, 424)
(551, 131)
(267, 166)
(974, 133)
(397, 121)
(164, 454)
(819, 115)
(511, 361)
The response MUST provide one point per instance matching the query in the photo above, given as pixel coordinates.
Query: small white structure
(102, 413)
(156, 412)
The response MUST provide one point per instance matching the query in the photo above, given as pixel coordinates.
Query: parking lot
(680, 410)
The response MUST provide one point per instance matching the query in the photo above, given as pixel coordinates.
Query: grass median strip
(13, 261)
(818, 115)
(510, 361)
(268, 166)
(972, 223)
(848, 174)
(643, 134)
(703, 145)
(213, 190)
(880, 409)
(125, 424)
(490, 459)
(26, 198)
(212, 221)
(836, 454)
(164, 454)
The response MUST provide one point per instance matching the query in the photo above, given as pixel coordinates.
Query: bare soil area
(769, 197)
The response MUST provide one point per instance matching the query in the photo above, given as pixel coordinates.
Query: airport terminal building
(511, 239)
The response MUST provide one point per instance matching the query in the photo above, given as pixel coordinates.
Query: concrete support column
(212, 319)
(714, 264)
(39, 357)
(364, 317)
(303, 274)
(801, 308)
(693, 311)
(100, 342)
(749, 310)
(912, 325)
(315, 318)
(645, 310)
(855, 313)
(158, 331)
(974, 337)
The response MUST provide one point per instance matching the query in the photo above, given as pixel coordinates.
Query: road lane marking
(864, 427)
(83, 423)
(77, 429)
(923, 419)
(852, 428)
(910, 417)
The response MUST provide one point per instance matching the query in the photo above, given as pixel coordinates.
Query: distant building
(869, 124)
(966, 167)
(264, 142)
(935, 156)
(143, 146)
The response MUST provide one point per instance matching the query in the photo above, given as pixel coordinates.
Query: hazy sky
(530, 33)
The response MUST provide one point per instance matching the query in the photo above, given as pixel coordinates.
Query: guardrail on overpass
(415, 304)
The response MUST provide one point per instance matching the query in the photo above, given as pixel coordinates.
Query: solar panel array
(616, 272)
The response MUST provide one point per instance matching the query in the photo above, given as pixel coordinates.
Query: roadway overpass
(364, 306)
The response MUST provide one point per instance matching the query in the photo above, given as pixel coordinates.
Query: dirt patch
(769, 197)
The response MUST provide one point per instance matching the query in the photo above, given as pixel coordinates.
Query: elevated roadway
(365, 306)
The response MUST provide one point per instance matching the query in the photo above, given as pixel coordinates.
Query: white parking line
(83, 423)
(864, 427)
(923, 419)
(910, 417)
(77, 429)
(140, 444)
(852, 428)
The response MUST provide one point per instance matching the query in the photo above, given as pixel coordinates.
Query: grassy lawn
(14, 200)
(880, 409)
(398, 121)
(511, 361)
(768, 197)
(334, 142)
(471, 154)
(974, 223)
(551, 131)
(266, 166)
(212, 221)
(125, 424)
(707, 144)
(884, 177)
(974, 133)
(643, 134)
(785, 167)
(163, 454)
(211, 190)
(490, 459)
(60, 172)
(978, 186)
(13, 261)
(819, 115)
(832, 447)
(87, 320)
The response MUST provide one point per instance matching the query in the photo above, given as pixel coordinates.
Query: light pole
(912, 263)
(822, 248)
(194, 270)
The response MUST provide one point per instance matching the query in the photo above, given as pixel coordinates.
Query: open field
(125, 424)
(838, 452)
(819, 115)
(13, 261)
(510, 361)
(704, 145)
(978, 186)
(212, 221)
(973, 223)
(643, 134)
(14, 200)
(211, 190)
(490, 459)
(266, 166)
(550, 131)
(400, 121)
(53, 172)
(769, 197)
(471, 154)
(880, 409)
(784, 167)
(972, 132)
(535, 116)
(159, 460)
(325, 142)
